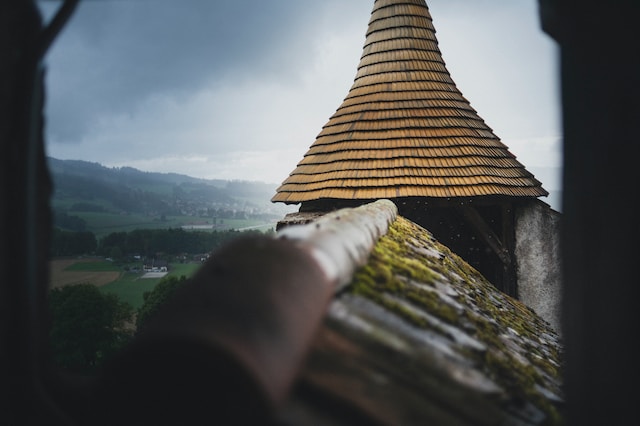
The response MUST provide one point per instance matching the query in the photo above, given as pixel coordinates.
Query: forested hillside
(88, 196)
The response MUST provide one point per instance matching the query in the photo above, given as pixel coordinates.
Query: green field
(67, 203)
(103, 223)
(130, 287)
(97, 266)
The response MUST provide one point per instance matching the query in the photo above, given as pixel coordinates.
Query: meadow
(103, 223)
(128, 285)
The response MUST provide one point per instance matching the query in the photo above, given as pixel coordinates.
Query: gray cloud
(114, 54)
(238, 89)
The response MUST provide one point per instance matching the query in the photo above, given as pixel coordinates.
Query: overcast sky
(239, 89)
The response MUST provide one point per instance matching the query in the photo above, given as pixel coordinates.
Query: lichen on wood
(414, 277)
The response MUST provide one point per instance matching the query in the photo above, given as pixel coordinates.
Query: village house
(155, 265)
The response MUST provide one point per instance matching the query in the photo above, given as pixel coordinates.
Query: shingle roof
(418, 336)
(405, 129)
(356, 317)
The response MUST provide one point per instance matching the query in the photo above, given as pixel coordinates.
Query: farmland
(102, 200)
(78, 271)
(127, 285)
(102, 223)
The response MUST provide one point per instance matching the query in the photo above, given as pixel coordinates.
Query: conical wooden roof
(404, 129)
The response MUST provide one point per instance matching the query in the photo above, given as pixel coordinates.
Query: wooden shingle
(405, 129)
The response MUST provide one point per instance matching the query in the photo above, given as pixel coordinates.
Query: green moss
(388, 269)
(406, 255)
(432, 303)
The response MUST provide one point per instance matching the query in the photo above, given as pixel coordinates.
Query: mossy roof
(405, 129)
(420, 337)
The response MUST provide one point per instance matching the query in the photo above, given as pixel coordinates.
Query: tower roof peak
(405, 129)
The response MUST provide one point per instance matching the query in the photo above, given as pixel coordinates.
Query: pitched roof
(417, 336)
(405, 129)
(359, 316)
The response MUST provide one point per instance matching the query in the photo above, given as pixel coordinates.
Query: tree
(154, 299)
(67, 222)
(115, 239)
(116, 253)
(88, 326)
(69, 243)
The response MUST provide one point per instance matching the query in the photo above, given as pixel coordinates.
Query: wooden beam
(485, 232)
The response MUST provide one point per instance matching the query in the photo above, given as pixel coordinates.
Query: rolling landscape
(91, 197)
(117, 204)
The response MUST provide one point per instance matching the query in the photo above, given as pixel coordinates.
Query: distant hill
(90, 196)
(82, 188)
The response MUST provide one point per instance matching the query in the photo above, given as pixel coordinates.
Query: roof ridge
(341, 241)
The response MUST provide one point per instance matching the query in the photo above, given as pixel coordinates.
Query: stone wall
(538, 265)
